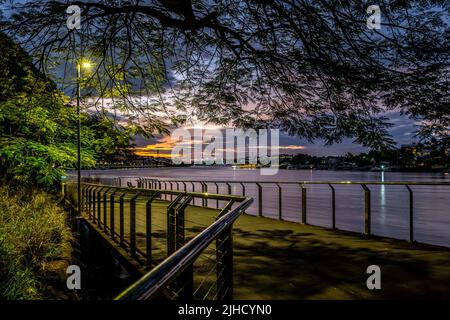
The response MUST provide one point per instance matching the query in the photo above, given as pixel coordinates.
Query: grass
(34, 239)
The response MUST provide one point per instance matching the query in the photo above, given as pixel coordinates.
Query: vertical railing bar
(333, 207)
(88, 202)
(121, 218)
(217, 192)
(105, 209)
(83, 197)
(243, 188)
(111, 215)
(411, 213)
(179, 223)
(304, 203)
(193, 190)
(171, 189)
(92, 203)
(280, 202)
(229, 188)
(99, 207)
(133, 224)
(148, 230)
(367, 210)
(171, 224)
(94, 208)
(224, 259)
(260, 200)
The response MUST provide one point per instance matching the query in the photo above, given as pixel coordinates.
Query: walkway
(284, 260)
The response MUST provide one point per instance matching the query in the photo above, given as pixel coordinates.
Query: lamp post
(86, 65)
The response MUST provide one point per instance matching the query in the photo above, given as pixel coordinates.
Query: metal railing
(227, 186)
(127, 217)
(179, 265)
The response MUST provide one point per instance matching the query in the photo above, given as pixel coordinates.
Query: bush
(33, 234)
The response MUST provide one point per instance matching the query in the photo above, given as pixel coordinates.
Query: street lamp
(82, 64)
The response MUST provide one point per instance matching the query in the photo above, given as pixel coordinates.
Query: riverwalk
(286, 260)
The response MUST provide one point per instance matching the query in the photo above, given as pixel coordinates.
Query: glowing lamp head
(85, 64)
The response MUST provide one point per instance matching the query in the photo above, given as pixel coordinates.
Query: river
(390, 204)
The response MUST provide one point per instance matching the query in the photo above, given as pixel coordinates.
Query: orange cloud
(153, 154)
(292, 147)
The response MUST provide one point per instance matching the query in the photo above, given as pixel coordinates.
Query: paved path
(285, 260)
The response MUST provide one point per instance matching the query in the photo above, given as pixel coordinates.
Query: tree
(312, 68)
(38, 127)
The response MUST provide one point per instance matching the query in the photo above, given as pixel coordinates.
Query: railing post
(193, 190)
(217, 192)
(411, 213)
(171, 189)
(180, 238)
(83, 191)
(260, 200)
(243, 188)
(367, 210)
(133, 224)
(171, 225)
(224, 266)
(121, 216)
(280, 202)
(224, 259)
(112, 230)
(88, 201)
(304, 203)
(148, 230)
(206, 190)
(333, 207)
(92, 203)
(105, 211)
(99, 207)
(94, 190)
(229, 188)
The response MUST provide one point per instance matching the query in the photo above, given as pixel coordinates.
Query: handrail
(420, 183)
(154, 282)
(203, 195)
(411, 187)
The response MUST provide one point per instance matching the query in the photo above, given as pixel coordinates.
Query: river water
(390, 204)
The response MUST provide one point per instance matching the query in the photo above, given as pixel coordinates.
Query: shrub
(33, 233)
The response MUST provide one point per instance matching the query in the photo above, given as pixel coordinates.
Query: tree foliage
(309, 67)
(38, 126)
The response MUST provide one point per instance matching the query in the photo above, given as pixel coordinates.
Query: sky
(402, 131)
